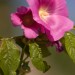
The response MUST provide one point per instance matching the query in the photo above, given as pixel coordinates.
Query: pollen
(43, 13)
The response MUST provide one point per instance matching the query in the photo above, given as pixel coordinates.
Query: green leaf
(42, 41)
(70, 45)
(9, 57)
(45, 51)
(36, 57)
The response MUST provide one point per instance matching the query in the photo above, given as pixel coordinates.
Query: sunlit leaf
(70, 45)
(36, 57)
(9, 57)
(45, 51)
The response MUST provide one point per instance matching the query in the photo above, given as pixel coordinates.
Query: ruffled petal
(22, 10)
(15, 19)
(61, 7)
(57, 7)
(30, 32)
(58, 26)
(34, 6)
(52, 6)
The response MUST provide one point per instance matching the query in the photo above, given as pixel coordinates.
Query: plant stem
(21, 61)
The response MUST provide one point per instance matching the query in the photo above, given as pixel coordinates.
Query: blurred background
(61, 64)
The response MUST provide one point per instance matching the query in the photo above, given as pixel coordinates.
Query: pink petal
(22, 10)
(30, 32)
(34, 5)
(53, 6)
(61, 7)
(58, 26)
(15, 19)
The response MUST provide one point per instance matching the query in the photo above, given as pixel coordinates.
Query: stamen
(43, 13)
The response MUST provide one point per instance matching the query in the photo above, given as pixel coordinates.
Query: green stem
(22, 55)
(21, 61)
(25, 58)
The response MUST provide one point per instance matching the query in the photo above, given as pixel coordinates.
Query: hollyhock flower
(23, 17)
(53, 15)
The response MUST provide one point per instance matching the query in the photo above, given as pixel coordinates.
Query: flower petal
(61, 7)
(22, 10)
(30, 32)
(34, 5)
(52, 6)
(58, 26)
(57, 7)
(15, 19)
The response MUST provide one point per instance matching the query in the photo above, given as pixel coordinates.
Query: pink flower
(24, 18)
(52, 14)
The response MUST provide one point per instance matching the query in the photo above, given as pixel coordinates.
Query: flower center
(43, 13)
(27, 19)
